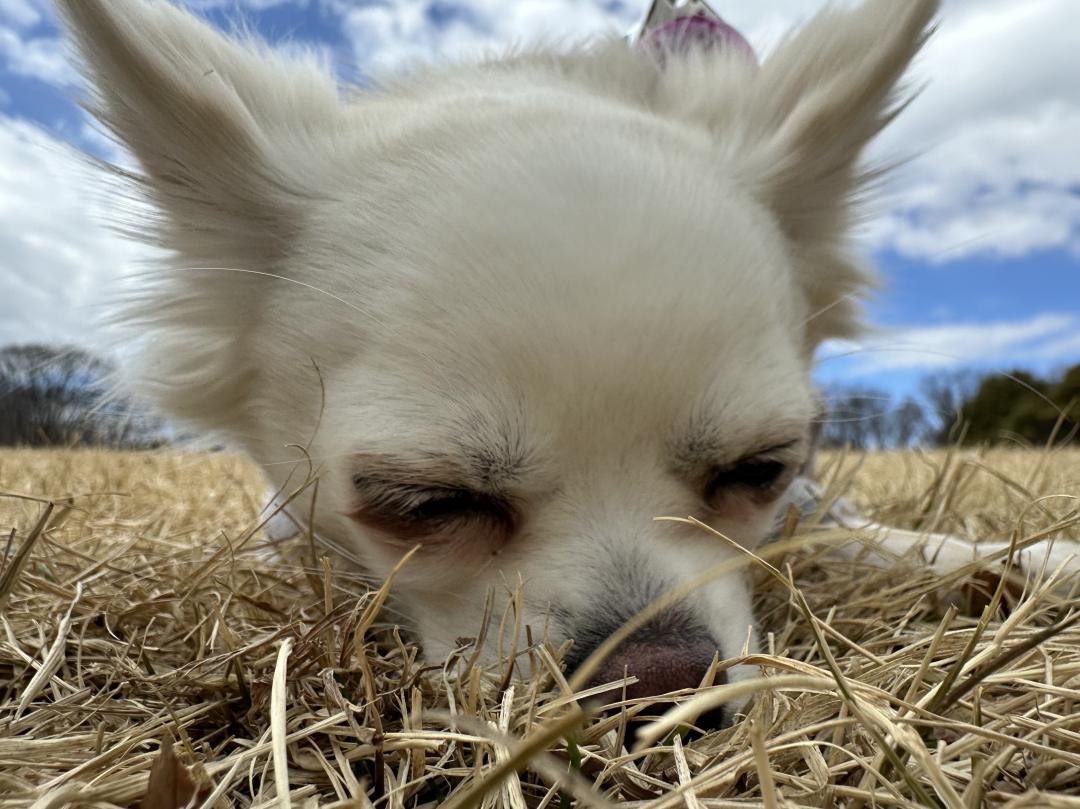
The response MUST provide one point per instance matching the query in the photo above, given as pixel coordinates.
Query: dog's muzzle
(659, 668)
(670, 653)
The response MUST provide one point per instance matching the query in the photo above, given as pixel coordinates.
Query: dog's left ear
(794, 131)
(228, 138)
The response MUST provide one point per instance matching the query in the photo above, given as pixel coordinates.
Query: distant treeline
(958, 407)
(66, 397)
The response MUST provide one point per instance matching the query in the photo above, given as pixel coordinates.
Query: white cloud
(996, 130)
(387, 36)
(1043, 337)
(1066, 347)
(43, 57)
(57, 258)
(252, 5)
(21, 13)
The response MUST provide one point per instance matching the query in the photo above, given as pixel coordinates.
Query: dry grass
(141, 610)
(976, 495)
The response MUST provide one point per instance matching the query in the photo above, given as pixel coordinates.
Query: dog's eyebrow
(706, 444)
(490, 468)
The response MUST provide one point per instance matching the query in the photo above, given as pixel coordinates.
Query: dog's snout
(660, 668)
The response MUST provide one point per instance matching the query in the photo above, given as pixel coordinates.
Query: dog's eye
(417, 512)
(442, 505)
(760, 477)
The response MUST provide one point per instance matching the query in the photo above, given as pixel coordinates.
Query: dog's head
(516, 310)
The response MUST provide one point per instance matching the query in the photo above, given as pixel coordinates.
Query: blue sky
(977, 233)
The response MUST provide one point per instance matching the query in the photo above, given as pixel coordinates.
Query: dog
(513, 309)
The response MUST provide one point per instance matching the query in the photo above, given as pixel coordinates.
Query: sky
(976, 233)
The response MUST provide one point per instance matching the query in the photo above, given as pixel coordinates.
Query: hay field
(149, 652)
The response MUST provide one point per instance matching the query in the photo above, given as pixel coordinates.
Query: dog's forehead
(594, 292)
(626, 252)
(526, 213)
(682, 396)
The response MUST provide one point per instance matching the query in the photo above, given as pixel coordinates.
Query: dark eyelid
(409, 478)
(776, 449)
(404, 496)
(415, 509)
(739, 475)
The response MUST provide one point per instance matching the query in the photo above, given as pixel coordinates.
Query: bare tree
(64, 397)
(856, 418)
(909, 424)
(868, 419)
(945, 394)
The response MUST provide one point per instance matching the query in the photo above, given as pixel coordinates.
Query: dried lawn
(138, 614)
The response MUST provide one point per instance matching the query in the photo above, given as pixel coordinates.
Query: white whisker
(276, 276)
(829, 307)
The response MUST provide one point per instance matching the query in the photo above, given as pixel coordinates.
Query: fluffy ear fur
(206, 118)
(795, 129)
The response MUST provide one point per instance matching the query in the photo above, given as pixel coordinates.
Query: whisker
(276, 276)
(830, 306)
(434, 368)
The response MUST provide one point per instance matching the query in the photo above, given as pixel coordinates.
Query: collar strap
(676, 24)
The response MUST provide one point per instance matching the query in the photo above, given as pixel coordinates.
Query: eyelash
(419, 511)
(760, 477)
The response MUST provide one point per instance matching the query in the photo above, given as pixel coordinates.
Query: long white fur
(581, 252)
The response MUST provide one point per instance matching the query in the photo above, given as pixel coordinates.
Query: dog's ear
(795, 130)
(204, 115)
(223, 134)
(814, 106)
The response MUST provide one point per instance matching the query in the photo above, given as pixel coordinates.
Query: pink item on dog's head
(699, 31)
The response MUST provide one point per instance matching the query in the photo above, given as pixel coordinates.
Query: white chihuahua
(514, 309)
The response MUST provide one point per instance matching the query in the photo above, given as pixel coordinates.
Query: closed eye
(416, 512)
(757, 475)
(762, 477)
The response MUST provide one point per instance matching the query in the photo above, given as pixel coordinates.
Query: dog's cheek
(745, 522)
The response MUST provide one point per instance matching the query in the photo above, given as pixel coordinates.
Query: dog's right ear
(224, 133)
(794, 131)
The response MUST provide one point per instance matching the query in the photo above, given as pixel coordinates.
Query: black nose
(660, 667)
